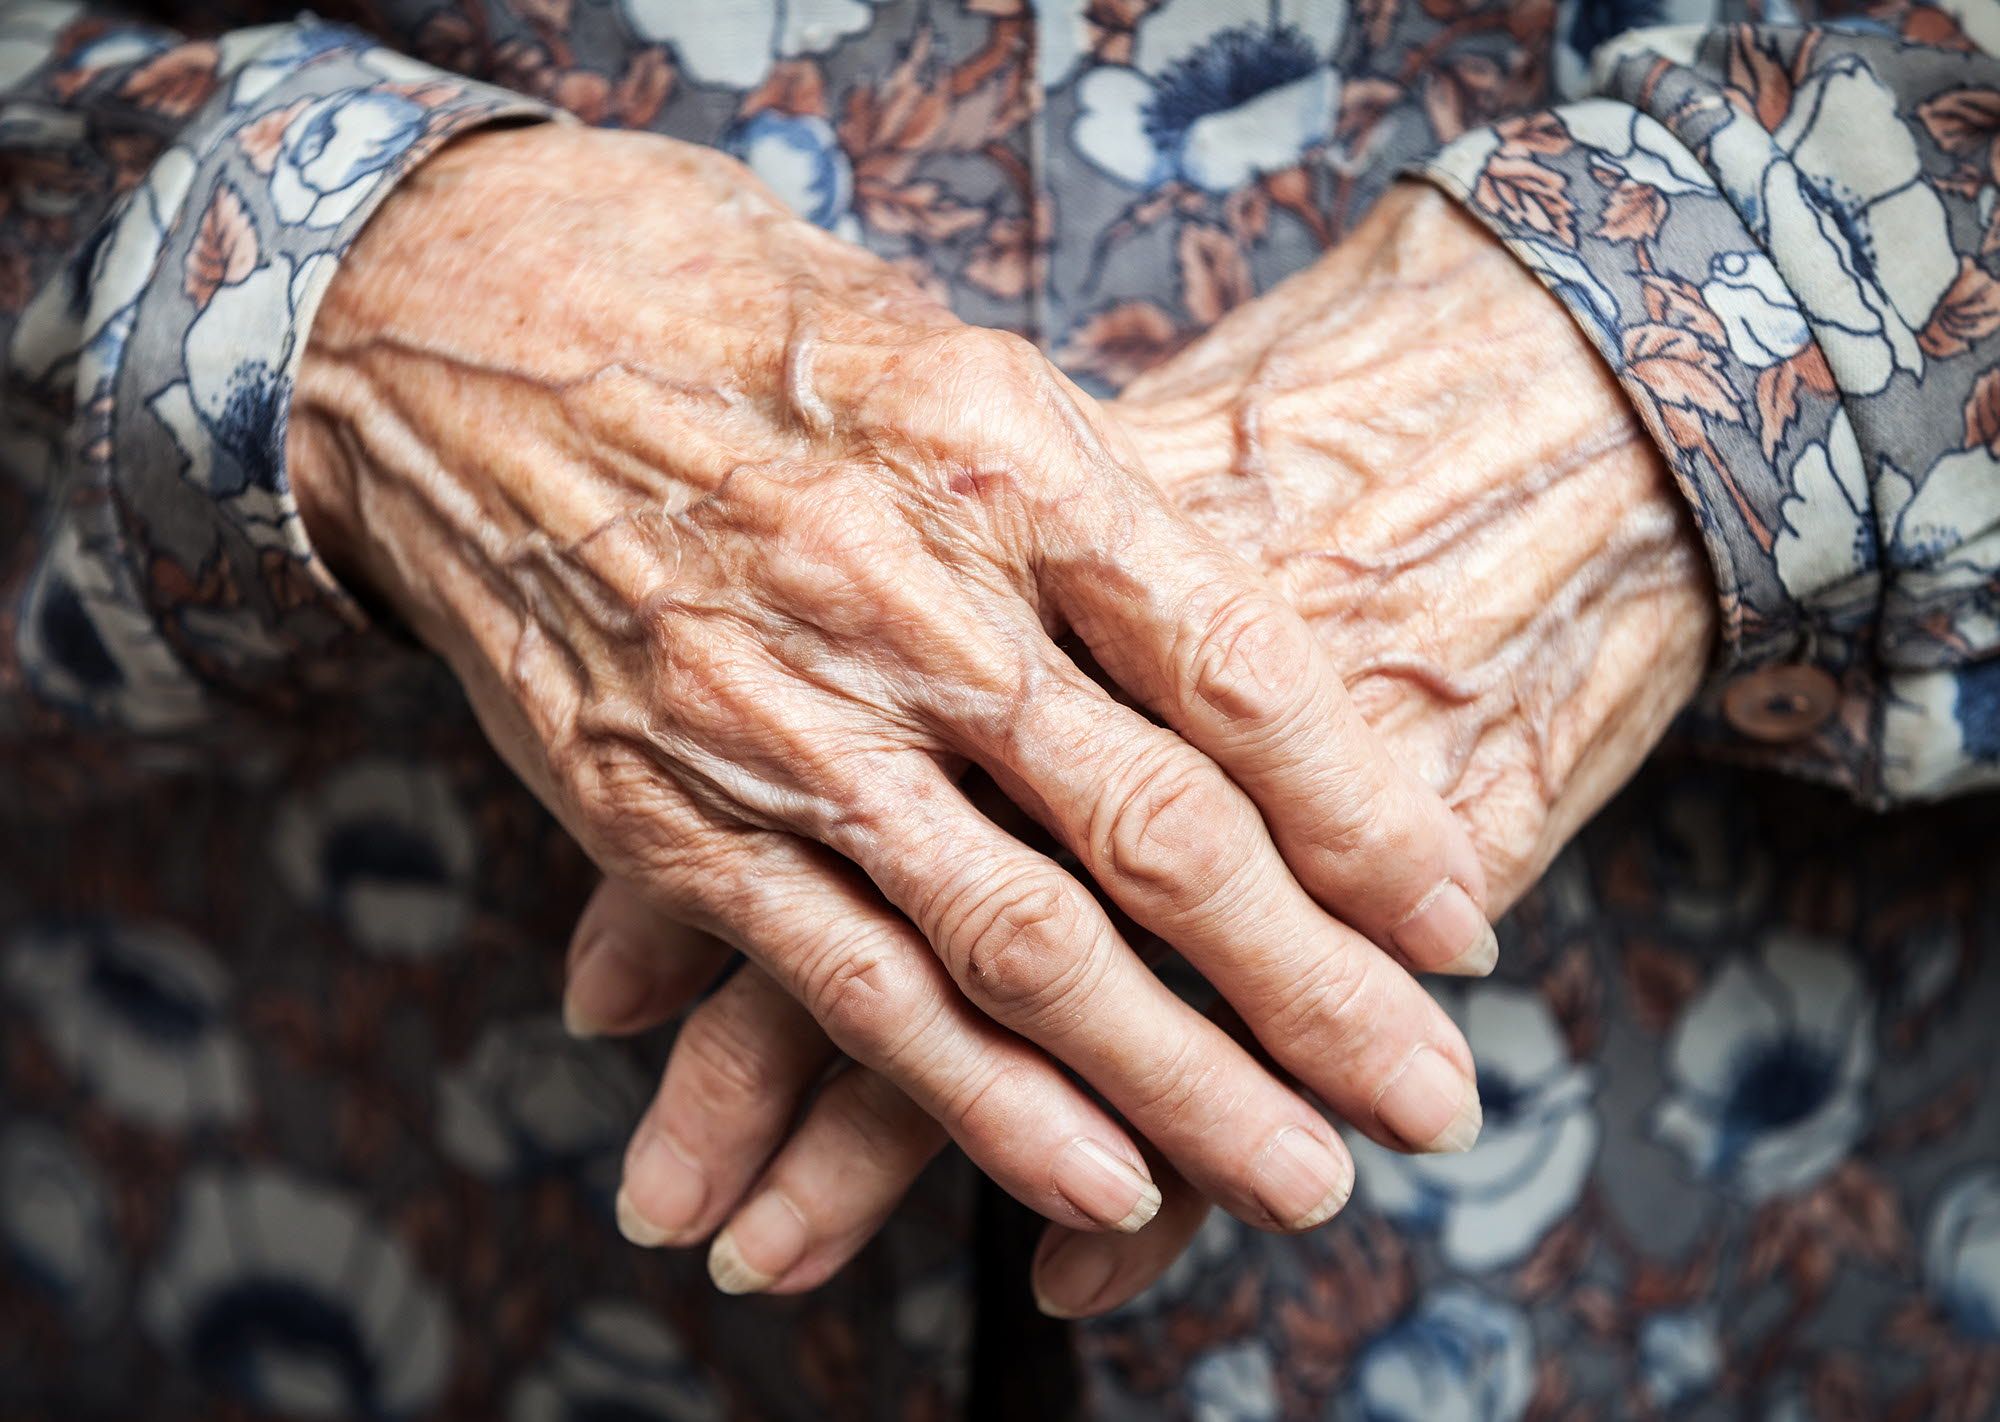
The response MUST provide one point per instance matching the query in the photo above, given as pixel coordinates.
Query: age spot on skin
(981, 484)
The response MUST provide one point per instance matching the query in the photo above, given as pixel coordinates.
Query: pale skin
(743, 549)
(1416, 445)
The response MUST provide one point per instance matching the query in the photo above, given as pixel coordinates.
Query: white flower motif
(1947, 529)
(1962, 1255)
(87, 644)
(1680, 1356)
(1492, 1204)
(1582, 26)
(28, 33)
(1763, 323)
(1062, 38)
(1980, 21)
(1769, 1067)
(1459, 1357)
(1941, 730)
(336, 153)
(734, 45)
(1637, 144)
(123, 45)
(1232, 1384)
(1673, 43)
(85, 313)
(800, 156)
(56, 1224)
(264, 56)
(1840, 198)
(1210, 100)
(386, 848)
(1570, 279)
(396, 68)
(616, 1359)
(297, 1301)
(1826, 549)
(531, 1098)
(1941, 727)
(238, 353)
(135, 1012)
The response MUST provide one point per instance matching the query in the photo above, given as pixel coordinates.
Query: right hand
(741, 545)
(1397, 492)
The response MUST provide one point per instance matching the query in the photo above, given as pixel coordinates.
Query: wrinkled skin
(742, 547)
(1416, 445)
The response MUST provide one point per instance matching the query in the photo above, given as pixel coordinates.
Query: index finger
(1198, 638)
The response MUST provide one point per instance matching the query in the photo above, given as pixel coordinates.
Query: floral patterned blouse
(288, 1128)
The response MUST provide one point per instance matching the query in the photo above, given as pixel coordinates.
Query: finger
(881, 995)
(739, 1070)
(1031, 948)
(1081, 1275)
(1223, 660)
(1184, 851)
(631, 967)
(857, 1152)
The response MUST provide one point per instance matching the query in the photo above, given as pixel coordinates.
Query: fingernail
(1073, 1276)
(1104, 1187)
(1430, 1104)
(1300, 1180)
(597, 1000)
(1448, 930)
(769, 1231)
(672, 1186)
(636, 1228)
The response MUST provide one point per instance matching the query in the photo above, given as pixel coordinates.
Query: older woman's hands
(1418, 446)
(741, 545)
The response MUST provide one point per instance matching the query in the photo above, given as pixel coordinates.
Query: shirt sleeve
(177, 209)
(1783, 240)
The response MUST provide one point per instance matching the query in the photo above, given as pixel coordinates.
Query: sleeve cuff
(1626, 228)
(243, 222)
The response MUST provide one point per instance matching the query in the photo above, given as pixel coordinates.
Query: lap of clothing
(289, 1128)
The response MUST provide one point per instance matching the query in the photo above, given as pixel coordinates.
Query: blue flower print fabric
(288, 1124)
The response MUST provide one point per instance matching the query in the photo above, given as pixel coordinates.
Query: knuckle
(1507, 822)
(873, 805)
(984, 1103)
(1021, 946)
(859, 994)
(1180, 1089)
(725, 1067)
(712, 686)
(601, 779)
(1251, 664)
(984, 351)
(984, 389)
(1176, 833)
(1330, 1008)
(834, 522)
(1382, 827)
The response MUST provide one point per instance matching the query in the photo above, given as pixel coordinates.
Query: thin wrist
(1425, 454)
(321, 463)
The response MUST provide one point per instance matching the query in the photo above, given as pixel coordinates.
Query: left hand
(1419, 448)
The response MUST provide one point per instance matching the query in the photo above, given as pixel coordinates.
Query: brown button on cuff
(1780, 703)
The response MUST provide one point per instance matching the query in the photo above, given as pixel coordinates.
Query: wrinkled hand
(1418, 447)
(742, 546)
